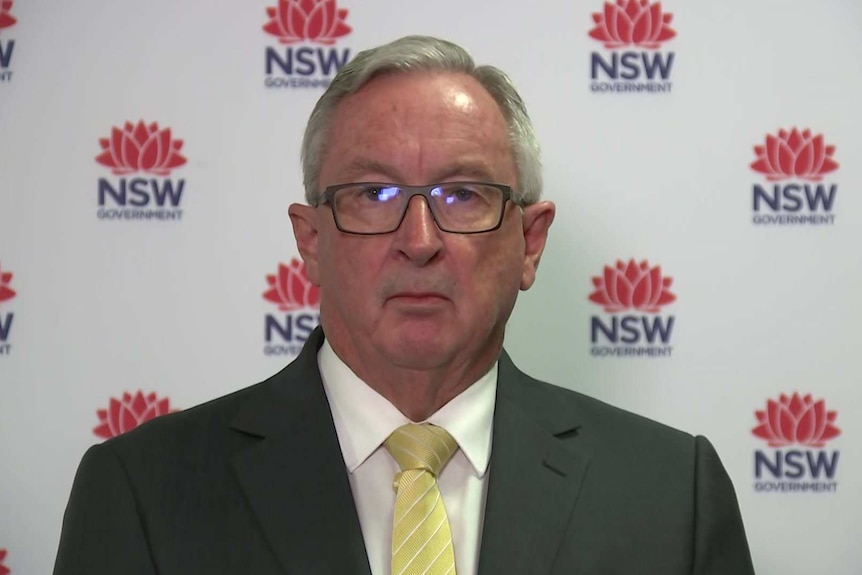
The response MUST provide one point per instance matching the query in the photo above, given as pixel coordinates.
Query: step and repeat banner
(704, 269)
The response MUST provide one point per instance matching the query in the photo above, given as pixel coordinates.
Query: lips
(407, 288)
(418, 296)
(417, 299)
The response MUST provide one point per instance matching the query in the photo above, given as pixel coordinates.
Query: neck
(418, 392)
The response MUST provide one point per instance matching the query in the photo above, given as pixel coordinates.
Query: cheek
(495, 274)
(349, 266)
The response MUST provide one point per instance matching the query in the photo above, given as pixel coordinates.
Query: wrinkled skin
(419, 314)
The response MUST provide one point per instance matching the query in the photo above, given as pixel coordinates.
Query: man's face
(419, 298)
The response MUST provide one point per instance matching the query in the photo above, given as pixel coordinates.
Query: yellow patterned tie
(421, 539)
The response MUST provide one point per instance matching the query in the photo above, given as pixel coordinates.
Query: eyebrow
(365, 165)
(477, 170)
(467, 169)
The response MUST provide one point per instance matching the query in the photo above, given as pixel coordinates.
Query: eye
(459, 195)
(379, 194)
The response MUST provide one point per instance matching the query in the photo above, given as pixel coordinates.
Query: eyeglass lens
(456, 206)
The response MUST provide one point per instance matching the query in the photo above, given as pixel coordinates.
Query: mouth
(418, 296)
(419, 299)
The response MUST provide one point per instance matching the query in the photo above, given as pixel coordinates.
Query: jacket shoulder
(593, 421)
(191, 425)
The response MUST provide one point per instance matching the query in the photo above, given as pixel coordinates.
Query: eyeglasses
(370, 208)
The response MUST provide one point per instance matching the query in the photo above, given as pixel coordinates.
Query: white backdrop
(653, 170)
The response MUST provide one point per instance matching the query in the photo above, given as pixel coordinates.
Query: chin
(418, 349)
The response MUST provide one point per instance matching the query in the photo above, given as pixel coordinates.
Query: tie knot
(424, 446)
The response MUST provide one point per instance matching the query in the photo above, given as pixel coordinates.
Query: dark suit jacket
(255, 483)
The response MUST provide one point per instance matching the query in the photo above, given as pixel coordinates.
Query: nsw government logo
(3, 569)
(7, 46)
(623, 28)
(622, 291)
(298, 300)
(128, 412)
(797, 428)
(134, 152)
(307, 31)
(6, 317)
(803, 159)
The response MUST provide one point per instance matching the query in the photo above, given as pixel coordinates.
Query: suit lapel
(293, 474)
(534, 478)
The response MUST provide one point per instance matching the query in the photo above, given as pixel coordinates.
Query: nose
(418, 236)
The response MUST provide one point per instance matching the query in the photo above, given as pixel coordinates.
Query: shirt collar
(364, 418)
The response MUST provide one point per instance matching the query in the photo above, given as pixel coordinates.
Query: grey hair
(424, 53)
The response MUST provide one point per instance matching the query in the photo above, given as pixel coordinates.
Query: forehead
(418, 127)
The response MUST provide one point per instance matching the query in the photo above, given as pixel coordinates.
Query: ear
(304, 220)
(537, 219)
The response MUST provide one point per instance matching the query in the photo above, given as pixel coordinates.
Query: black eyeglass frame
(425, 191)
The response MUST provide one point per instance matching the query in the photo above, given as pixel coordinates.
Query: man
(424, 220)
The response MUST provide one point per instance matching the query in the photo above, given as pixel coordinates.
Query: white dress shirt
(364, 419)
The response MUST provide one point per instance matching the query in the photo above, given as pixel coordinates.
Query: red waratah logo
(6, 19)
(129, 412)
(794, 154)
(796, 419)
(632, 22)
(320, 21)
(290, 288)
(141, 147)
(5, 291)
(632, 286)
(3, 569)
